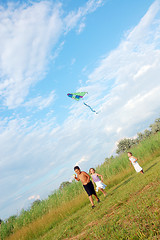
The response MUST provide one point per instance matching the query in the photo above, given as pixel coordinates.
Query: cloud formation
(39, 102)
(124, 88)
(26, 43)
(37, 197)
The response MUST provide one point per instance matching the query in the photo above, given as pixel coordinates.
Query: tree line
(126, 143)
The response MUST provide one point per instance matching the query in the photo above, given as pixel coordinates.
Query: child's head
(91, 170)
(129, 154)
(77, 169)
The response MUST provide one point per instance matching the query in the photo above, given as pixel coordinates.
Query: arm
(77, 178)
(100, 177)
(135, 159)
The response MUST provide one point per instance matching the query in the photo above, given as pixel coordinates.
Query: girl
(99, 183)
(134, 162)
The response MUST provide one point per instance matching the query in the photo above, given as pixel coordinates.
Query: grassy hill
(129, 211)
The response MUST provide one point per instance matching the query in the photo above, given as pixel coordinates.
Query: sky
(108, 48)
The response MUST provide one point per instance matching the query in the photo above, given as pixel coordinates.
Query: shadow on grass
(124, 183)
(150, 167)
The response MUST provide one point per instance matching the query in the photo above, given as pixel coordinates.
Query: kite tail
(90, 108)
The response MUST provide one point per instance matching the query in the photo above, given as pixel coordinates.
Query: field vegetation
(129, 211)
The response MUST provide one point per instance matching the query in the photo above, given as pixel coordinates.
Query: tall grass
(57, 200)
(43, 216)
(42, 225)
(118, 168)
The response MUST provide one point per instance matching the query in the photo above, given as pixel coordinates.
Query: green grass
(130, 210)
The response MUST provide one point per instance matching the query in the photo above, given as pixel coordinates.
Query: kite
(79, 95)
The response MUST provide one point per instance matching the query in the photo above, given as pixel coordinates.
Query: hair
(93, 169)
(129, 152)
(76, 167)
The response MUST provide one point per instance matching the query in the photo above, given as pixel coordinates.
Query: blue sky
(111, 49)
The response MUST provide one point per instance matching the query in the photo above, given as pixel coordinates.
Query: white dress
(135, 164)
(98, 182)
(100, 185)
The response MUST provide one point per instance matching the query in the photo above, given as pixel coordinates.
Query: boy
(87, 184)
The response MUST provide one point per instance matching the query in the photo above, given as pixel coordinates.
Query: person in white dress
(133, 161)
(99, 183)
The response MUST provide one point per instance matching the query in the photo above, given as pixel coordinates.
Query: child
(99, 183)
(87, 184)
(134, 162)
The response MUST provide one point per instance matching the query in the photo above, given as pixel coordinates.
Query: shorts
(89, 189)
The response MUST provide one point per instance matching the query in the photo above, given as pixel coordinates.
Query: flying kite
(79, 95)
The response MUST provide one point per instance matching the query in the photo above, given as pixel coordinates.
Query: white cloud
(34, 197)
(142, 71)
(23, 48)
(40, 102)
(74, 17)
(142, 29)
(124, 88)
(125, 85)
(57, 51)
(83, 159)
(26, 41)
(81, 27)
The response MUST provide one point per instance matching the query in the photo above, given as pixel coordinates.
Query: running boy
(87, 184)
(134, 162)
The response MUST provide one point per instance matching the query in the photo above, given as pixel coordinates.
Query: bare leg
(101, 189)
(91, 200)
(96, 198)
(142, 171)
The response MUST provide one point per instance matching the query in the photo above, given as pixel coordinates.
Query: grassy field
(129, 211)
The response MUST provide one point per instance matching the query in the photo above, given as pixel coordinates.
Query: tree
(140, 136)
(12, 219)
(110, 158)
(125, 144)
(64, 184)
(155, 127)
(147, 133)
(10, 224)
(35, 203)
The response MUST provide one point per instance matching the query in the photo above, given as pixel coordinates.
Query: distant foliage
(36, 203)
(7, 227)
(126, 143)
(64, 184)
(155, 127)
(108, 159)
